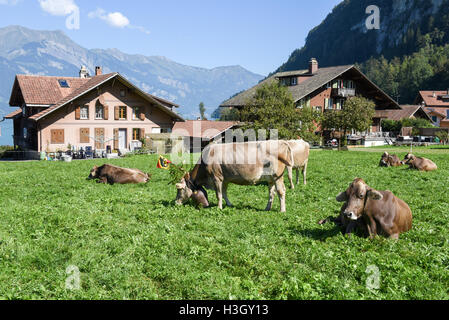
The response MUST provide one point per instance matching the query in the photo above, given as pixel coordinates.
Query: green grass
(131, 242)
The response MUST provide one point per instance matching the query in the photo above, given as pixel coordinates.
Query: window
(63, 83)
(99, 112)
(328, 104)
(447, 113)
(294, 81)
(122, 113)
(84, 113)
(136, 134)
(136, 113)
(339, 104)
(434, 119)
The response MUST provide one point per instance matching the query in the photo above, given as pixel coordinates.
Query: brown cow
(112, 174)
(382, 211)
(246, 163)
(300, 150)
(388, 160)
(421, 164)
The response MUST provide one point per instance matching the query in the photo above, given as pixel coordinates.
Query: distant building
(436, 104)
(199, 133)
(406, 112)
(99, 111)
(324, 89)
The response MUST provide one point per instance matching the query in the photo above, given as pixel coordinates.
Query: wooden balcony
(343, 92)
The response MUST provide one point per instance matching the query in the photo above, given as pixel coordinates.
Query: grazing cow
(301, 150)
(421, 164)
(382, 211)
(246, 163)
(388, 160)
(112, 174)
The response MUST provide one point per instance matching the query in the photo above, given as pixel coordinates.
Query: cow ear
(342, 197)
(187, 176)
(375, 195)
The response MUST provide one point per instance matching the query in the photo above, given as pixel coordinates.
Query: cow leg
(304, 172)
(280, 188)
(225, 195)
(372, 229)
(290, 177)
(219, 193)
(102, 180)
(271, 191)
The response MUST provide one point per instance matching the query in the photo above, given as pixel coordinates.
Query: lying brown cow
(421, 164)
(112, 174)
(382, 211)
(388, 160)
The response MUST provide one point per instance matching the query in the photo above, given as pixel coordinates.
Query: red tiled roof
(435, 100)
(91, 83)
(406, 111)
(440, 112)
(13, 114)
(202, 128)
(45, 90)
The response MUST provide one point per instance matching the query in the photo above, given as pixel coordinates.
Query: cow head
(93, 173)
(184, 191)
(356, 197)
(384, 161)
(408, 158)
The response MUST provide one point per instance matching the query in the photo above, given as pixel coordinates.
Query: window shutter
(142, 134)
(106, 113)
(84, 135)
(57, 136)
(78, 113)
(326, 103)
(116, 139)
(99, 138)
(116, 112)
(142, 116)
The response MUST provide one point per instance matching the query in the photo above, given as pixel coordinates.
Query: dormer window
(294, 81)
(291, 81)
(63, 83)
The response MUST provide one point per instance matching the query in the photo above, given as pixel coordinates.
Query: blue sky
(259, 35)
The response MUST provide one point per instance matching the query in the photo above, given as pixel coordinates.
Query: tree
(443, 136)
(202, 111)
(357, 114)
(272, 107)
(309, 121)
(229, 114)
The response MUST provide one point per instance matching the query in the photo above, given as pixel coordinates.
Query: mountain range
(27, 51)
(343, 38)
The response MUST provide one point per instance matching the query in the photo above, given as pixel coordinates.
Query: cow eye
(361, 196)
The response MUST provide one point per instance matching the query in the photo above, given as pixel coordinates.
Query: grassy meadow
(132, 242)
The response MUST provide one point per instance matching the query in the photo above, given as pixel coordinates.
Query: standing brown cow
(388, 160)
(300, 150)
(112, 174)
(421, 164)
(382, 211)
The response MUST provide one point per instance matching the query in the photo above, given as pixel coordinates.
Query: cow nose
(348, 214)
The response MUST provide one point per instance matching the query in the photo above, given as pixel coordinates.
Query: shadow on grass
(317, 233)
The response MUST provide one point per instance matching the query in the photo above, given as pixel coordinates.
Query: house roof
(205, 129)
(440, 112)
(434, 98)
(47, 92)
(406, 111)
(42, 90)
(13, 114)
(312, 82)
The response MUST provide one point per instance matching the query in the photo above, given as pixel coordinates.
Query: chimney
(98, 71)
(313, 66)
(84, 73)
